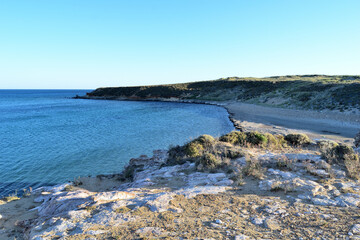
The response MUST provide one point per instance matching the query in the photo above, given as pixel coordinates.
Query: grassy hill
(299, 91)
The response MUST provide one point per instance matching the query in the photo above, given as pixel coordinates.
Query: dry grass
(235, 212)
(254, 169)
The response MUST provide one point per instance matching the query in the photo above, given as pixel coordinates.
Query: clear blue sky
(88, 44)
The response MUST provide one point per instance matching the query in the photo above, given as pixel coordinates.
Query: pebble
(218, 221)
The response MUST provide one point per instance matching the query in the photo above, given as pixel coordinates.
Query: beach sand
(318, 125)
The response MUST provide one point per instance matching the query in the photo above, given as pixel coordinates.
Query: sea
(47, 138)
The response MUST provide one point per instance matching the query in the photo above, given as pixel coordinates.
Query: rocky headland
(243, 185)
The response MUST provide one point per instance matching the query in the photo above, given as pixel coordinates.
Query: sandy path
(325, 124)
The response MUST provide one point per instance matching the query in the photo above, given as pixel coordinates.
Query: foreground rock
(287, 194)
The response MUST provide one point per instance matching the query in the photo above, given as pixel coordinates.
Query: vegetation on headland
(212, 154)
(298, 91)
(242, 184)
(217, 154)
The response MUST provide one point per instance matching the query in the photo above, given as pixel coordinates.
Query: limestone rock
(241, 237)
(271, 224)
(152, 230)
(112, 196)
(355, 229)
(64, 202)
(257, 220)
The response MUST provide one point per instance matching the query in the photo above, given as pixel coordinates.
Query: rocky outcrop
(177, 195)
(357, 140)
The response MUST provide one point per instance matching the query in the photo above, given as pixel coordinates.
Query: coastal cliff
(314, 92)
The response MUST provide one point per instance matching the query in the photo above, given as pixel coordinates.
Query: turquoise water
(48, 138)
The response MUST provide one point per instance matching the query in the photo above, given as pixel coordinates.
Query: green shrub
(210, 161)
(275, 141)
(339, 154)
(235, 137)
(176, 155)
(194, 149)
(256, 138)
(205, 140)
(326, 144)
(297, 139)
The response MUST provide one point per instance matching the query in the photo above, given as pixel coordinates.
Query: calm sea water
(48, 138)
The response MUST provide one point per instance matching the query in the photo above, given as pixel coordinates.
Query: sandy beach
(325, 124)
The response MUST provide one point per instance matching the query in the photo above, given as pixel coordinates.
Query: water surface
(48, 138)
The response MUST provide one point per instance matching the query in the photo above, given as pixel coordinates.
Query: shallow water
(47, 138)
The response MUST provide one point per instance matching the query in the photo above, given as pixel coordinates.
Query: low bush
(194, 149)
(326, 144)
(233, 153)
(235, 137)
(241, 138)
(256, 138)
(275, 141)
(205, 140)
(210, 161)
(254, 169)
(176, 155)
(297, 139)
(339, 153)
(344, 155)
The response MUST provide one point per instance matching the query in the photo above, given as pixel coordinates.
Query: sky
(85, 44)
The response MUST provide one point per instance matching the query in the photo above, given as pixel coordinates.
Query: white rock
(160, 202)
(193, 192)
(1, 216)
(348, 199)
(113, 196)
(241, 237)
(286, 175)
(215, 177)
(79, 214)
(218, 221)
(152, 230)
(93, 232)
(319, 172)
(355, 229)
(324, 202)
(64, 202)
(257, 221)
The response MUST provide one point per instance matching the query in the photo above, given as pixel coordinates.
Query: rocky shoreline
(256, 191)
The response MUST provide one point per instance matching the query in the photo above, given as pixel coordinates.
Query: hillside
(302, 92)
